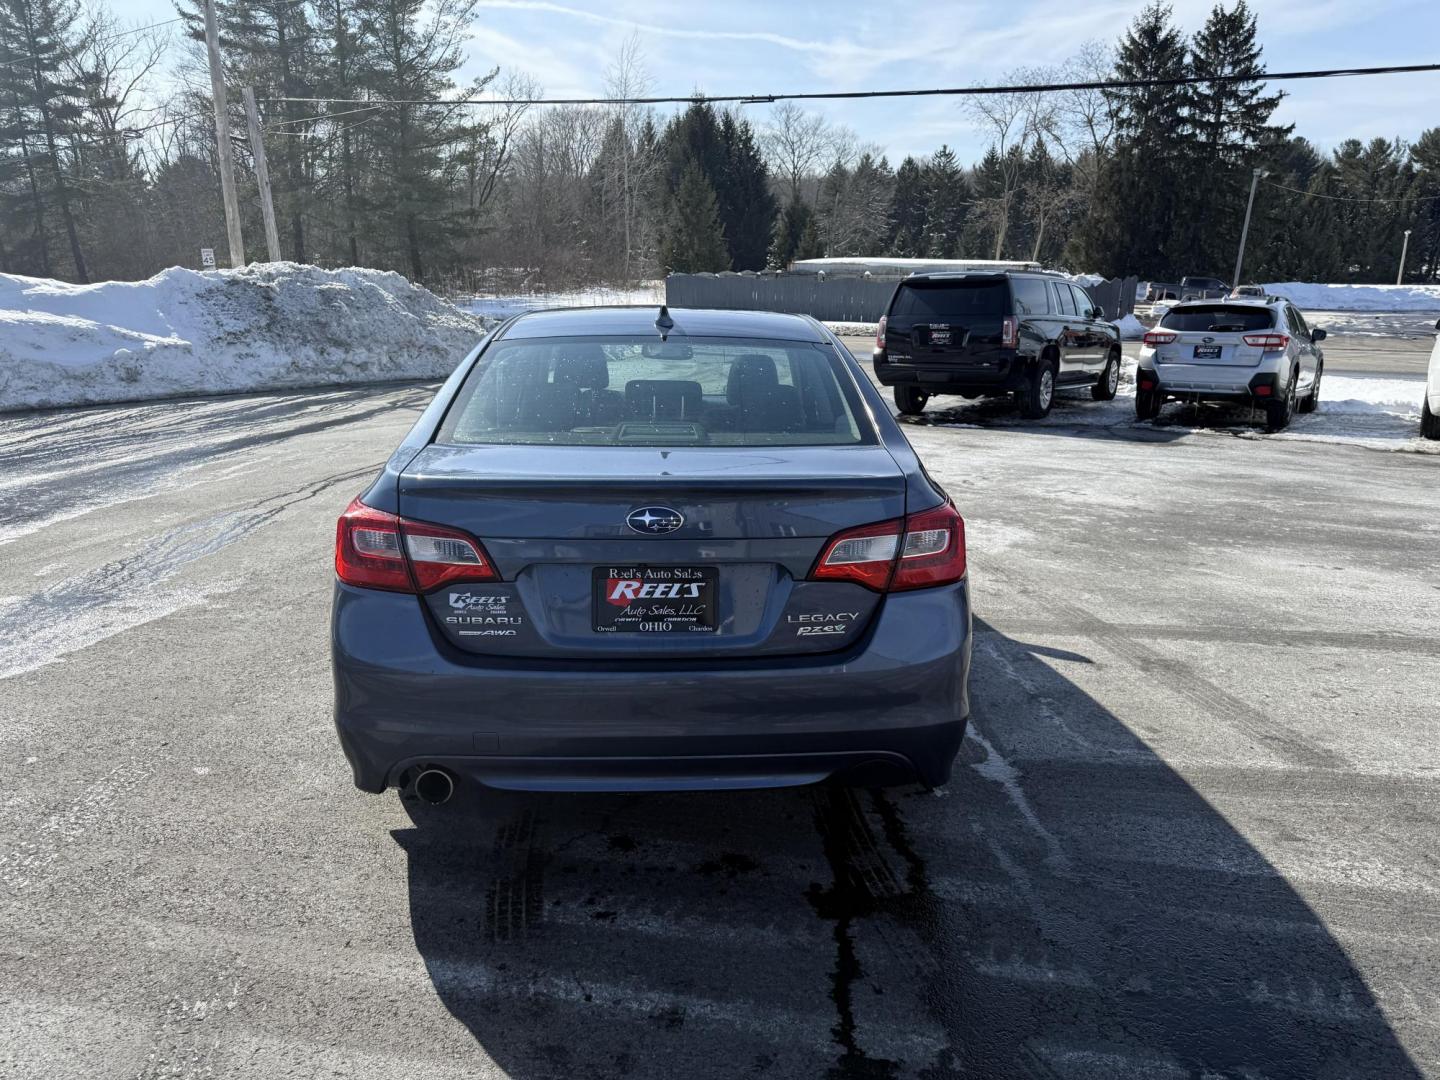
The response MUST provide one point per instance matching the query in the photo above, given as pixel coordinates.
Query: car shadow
(1069, 905)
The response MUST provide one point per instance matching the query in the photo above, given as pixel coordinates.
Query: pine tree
(909, 207)
(1227, 127)
(947, 200)
(42, 114)
(694, 240)
(747, 206)
(790, 229)
(1130, 225)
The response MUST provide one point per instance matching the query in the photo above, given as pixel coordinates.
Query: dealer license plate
(654, 599)
(1207, 352)
(939, 337)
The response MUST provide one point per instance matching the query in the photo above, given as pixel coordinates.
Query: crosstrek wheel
(1148, 399)
(1109, 381)
(1278, 413)
(1429, 422)
(1039, 393)
(1312, 399)
(910, 400)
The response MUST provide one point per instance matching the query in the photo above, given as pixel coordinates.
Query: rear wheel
(1429, 422)
(1147, 404)
(910, 400)
(1109, 381)
(1312, 399)
(1278, 413)
(1039, 393)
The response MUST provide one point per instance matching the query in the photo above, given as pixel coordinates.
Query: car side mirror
(1437, 324)
(1092, 313)
(1317, 335)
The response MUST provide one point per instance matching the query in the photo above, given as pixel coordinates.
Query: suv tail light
(377, 550)
(1266, 341)
(1010, 332)
(1159, 337)
(880, 332)
(924, 549)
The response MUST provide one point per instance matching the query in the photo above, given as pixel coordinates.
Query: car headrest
(664, 399)
(750, 374)
(583, 366)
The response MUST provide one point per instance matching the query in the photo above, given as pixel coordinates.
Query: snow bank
(267, 326)
(1308, 296)
(1131, 328)
(500, 306)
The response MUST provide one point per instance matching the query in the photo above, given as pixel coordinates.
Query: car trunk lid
(731, 536)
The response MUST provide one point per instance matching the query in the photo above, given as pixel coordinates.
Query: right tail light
(1266, 341)
(1159, 337)
(917, 552)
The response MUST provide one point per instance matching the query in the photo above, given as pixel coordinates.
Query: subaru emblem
(654, 520)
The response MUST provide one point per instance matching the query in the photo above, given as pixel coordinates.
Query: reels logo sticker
(621, 591)
(468, 601)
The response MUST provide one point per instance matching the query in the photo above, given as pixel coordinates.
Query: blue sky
(773, 46)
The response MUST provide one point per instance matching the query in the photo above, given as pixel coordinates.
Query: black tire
(1312, 399)
(1147, 404)
(1429, 422)
(1278, 413)
(910, 400)
(1038, 396)
(1109, 381)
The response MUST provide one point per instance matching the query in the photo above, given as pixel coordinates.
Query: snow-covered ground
(502, 307)
(1378, 413)
(1309, 296)
(267, 326)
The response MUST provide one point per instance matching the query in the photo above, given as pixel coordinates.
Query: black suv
(978, 335)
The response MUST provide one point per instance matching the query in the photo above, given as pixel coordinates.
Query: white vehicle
(1255, 351)
(1430, 407)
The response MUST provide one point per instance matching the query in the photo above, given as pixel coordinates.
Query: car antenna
(664, 323)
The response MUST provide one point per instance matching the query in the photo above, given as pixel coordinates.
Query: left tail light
(880, 332)
(920, 551)
(378, 550)
(1010, 333)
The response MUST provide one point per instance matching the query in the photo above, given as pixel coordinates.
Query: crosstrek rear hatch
(1235, 335)
(617, 499)
(949, 318)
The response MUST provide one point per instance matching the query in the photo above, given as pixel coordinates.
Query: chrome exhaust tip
(434, 786)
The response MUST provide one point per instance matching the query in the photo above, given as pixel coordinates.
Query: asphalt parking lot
(1192, 832)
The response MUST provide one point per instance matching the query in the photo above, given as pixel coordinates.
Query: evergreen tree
(1227, 128)
(947, 200)
(790, 229)
(909, 208)
(1131, 223)
(41, 116)
(694, 240)
(747, 206)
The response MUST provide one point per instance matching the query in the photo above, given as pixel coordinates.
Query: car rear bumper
(890, 709)
(998, 372)
(1212, 382)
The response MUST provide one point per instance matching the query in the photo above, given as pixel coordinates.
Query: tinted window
(1031, 296)
(613, 391)
(1066, 304)
(952, 300)
(1300, 324)
(1083, 302)
(1218, 318)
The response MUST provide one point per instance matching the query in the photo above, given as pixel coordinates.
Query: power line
(845, 95)
(1348, 198)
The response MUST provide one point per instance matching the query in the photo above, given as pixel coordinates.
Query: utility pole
(1404, 249)
(262, 175)
(222, 138)
(1245, 230)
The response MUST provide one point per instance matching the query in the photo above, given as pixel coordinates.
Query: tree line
(108, 161)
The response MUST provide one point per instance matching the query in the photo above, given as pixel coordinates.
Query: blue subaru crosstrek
(624, 550)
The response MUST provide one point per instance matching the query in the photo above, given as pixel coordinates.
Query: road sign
(207, 258)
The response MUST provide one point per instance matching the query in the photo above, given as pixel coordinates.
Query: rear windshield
(953, 300)
(1219, 318)
(614, 391)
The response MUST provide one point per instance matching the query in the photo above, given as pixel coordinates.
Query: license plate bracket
(639, 599)
(1207, 352)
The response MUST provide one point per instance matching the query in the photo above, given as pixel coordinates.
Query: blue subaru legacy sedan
(636, 550)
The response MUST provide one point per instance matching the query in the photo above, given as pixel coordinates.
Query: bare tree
(628, 168)
(796, 144)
